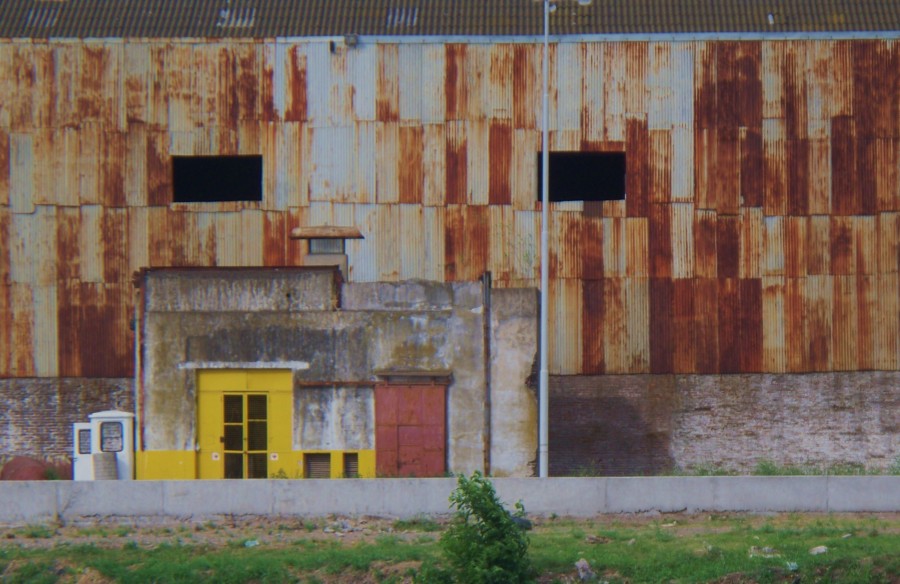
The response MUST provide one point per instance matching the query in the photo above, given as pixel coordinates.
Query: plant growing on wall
(484, 544)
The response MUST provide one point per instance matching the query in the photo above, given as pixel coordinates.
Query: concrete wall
(36, 414)
(337, 338)
(649, 424)
(29, 502)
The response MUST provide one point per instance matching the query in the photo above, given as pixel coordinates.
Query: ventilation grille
(351, 465)
(317, 466)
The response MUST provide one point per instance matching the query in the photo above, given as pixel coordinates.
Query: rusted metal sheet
(501, 262)
(705, 248)
(478, 157)
(662, 334)
(682, 164)
(566, 314)
(387, 137)
(45, 332)
(887, 177)
(729, 332)
(752, 168)
(817, 318)
(751, 325)
(411, 241)
(6, 328)
(21, 173)
(660, 240)
(775, 186)
(592, 328)
(637, 179)
(888, 243)
(295, 84)
(592, 248)
(706, 307)
(615, 321)
(887, 342)
(705, 74)
(728, 246)
(774, 358)
(570, 75)
(526, 85)
(636, 68)
(637, 246)
(500, 163)
(432, 89)
(637, 324)
(751, 243)
(22, 349)
(4, 168)
(660, 166)
(456, 165)
(275, 242)
(614, 75)
(795, 247)
(410, 180)
(727, 182)
(865, 231)
(819, 244)
(592, 114)
(684, 329)
(795, 90)
(867, 306)
(843, 241)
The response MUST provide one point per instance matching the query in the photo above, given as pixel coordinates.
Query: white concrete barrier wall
(42, 501)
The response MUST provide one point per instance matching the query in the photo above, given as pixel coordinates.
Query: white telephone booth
(112, 445)
(82, 462)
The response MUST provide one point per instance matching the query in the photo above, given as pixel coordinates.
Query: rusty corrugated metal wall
(759, 232)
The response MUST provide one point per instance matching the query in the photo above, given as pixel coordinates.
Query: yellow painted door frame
(262, 427)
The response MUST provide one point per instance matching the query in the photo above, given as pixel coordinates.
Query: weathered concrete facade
(650, 424)
(339, 340)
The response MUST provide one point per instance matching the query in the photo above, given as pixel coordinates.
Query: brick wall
(36, 414)
(648, 424)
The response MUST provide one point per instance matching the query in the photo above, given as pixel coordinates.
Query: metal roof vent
(236, 18)
(402, 17)
(43, 16)
(771, 18)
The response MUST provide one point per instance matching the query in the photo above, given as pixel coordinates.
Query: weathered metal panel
(295, 83)
(433, 220)
(45, 332)
(614, 76)
(4, 167)
(614, 332)
(456, 81)
(138, 238)
(456, 163)
(228, 239)
(662, 316)
(819, 244)
(705, 249)
(478, 83)
(412, 244)
(775, 186)
(21, 173)
(773, 246)
(660, 79)
(22, 349)
(684, 329)
(752, 168)
(526, 92)
(434, 159)
(637, 327)
(502, 229)
(388, 242)
(795, 90)
(660, 166)
(409, 63)
(591, 248)
(751, 246)
(795, 247)
(727, 181)
(91, 243)
(592, 88)
(88, 164)
(867, 306)
(660, 240)
(566, 245)
(887, 177)
(637, 179)
(706, 307)
(682, 232)
(615, 238)
(500, 163)
(432, 90)
(774, 357)
(865, 231)
(411, 171)
(820, 59)
(159, 187)
(843, 242)
(705, 155)
(705, 77)
(567, 316)
(387, 141)
(478, 161)
(317, 74)
(888, 243)
(636, 69)
(179, 71)
(500, 79)
(43, 100)
(728, 246)
(251, 237)
(682, 163)
(361, 253)
(568, 84)
(275, 236)
(887, 342)
(729, 333)
(20, 82)
(819, 177)
(817, 316)
(751, 325)
(592, 328)
(638, 242)
(527, 244)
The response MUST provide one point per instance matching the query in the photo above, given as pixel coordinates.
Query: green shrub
(483, 544)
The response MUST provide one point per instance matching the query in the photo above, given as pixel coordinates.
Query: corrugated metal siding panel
(867, 304)
(594, 316)
(795, 246)
(4, 167)
(478, 158)
(21, 172)
(684, 330)
(387, 141)
(22, 349)
(773, 323)
(660, 79)
(682, 240)
(615, 321)
(751, 247)
(388, 242)
(660, 166)
(410, 179)
(502, 229)
(818, 321)
(501, 73)
(888, 243)
(434, 158)
(614, 75)
(819, 244)
(729, 333)
(682, 163)
(751, 325)
(637, 327)
(45, 332)
(774, 167)
(636, 70)
(412, 247)
(410, 90)
(434, 243)
(566, 332)
(662, 315)
(592, 89)
(887, 178)
(527, 244)
(570, 75)
(433, 67)
(887, 342)
(361, 253)
(706, 306)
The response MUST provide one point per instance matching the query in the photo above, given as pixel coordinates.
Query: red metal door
(410, 430)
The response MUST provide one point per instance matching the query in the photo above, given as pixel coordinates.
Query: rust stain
(843, 256)
(456, 162)
(729, 333)
(158, 170)
(90, 92)
(844, 194)
(592, 337)
(817, 318)
(114, 224)
(867, 167)
(637, 177)
(4, 168)
(752, 171)
(705, 246)
(795, 90)
(68, 243)
(526, 88)
(795, 247)
(867, 299)
(844, 325)
(819, 245)
(705, 105)
(798, 177)
(684, 330)
(660, 241)
(454, 242)
(660, 166)
(248, 82)
(727, 172)
(455, 85)
(112, 165)
(591, 246)
(500, 162)
(296, 86)
(410, 164)
(275, 234)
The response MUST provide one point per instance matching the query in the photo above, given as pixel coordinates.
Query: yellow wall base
(177, 465)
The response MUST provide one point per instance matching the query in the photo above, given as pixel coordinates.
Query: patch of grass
(38, 532)
(418, 523)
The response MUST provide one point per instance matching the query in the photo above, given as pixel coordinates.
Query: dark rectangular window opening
(217, 179)
(317, 465)
(351, 465)
(584, 176)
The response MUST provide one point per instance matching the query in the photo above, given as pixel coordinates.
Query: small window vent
(402, 17)
(317, 465)
(351, 465)
(43, 16)
(236, 18)
(326, 246)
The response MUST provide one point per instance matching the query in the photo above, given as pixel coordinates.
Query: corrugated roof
(311, 18)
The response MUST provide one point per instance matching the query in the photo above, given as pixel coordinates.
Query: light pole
(543, 390)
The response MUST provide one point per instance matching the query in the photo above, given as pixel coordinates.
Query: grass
(677, 548)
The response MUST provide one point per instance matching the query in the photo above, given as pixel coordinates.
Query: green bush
(483, 544)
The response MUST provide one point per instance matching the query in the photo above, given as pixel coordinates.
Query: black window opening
(217, 179)
(584, 176)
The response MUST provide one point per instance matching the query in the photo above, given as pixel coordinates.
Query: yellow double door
(244, 423)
